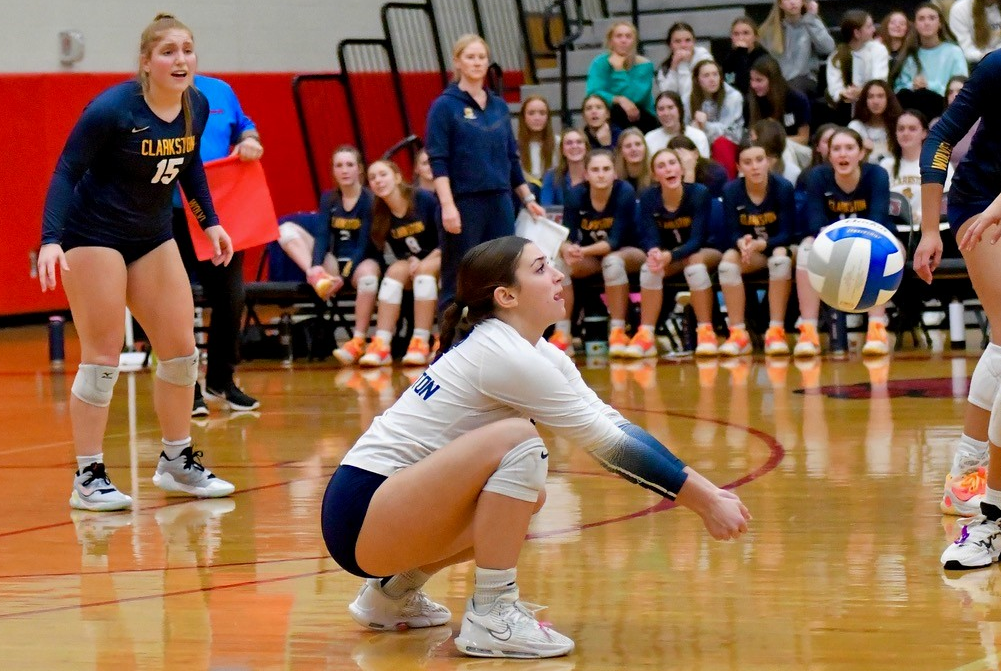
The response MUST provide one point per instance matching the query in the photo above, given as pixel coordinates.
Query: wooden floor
(840, 570)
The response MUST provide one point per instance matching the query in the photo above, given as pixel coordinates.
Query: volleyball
(855, 265)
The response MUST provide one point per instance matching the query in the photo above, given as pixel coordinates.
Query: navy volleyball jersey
(772, 220)
(117, 173)
(827, 202)
(415, 233)
(614, 224)
(346, 234)
(681, 232)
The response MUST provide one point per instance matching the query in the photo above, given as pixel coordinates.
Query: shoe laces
(775, 333)
(525, 610)
(96, 473)
(978, 523)
(973, 483)
(417, 602)
(192, 459)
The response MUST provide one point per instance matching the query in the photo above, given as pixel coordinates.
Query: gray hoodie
(807, 43)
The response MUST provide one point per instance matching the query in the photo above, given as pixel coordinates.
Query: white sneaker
(978, 545)
(964, 492)
(509, 629)
(186, 474)
(414, 610)
(92, 490)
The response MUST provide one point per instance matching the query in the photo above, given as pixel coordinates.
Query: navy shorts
(345, 504)
(959, 213)
(131, 251)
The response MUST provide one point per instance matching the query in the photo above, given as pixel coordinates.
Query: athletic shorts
(131, 251)
(959, 213)
(345, 504)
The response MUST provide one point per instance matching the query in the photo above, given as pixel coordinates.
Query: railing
(572, 33)
(319, 143)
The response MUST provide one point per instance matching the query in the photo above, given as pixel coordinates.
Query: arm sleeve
(974, 98)
(322, 238)
(599, 76)
(823, 43)
(731, 115)
(879, 197)
(438, 140)
(786, 205)
(517, 175)
(700, 225)
(196, 191)
(243, 122)
(538, 389)
(646, 227)
(625, 216)
(880, 60)
(91, 132)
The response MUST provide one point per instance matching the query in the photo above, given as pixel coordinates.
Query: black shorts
(345, 504)
(131, 251)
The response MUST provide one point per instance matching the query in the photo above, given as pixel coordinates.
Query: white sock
(386, 336)
(358, 334)
(563, 325)
(617, 323)
(423, 334)
(491, 583)
(884, 320)
(966, 450)
(811, 322)
(173, 448)
(991, 496)
(86, 460)
(646, 327)
(401, 583)
(734, 327)
(773, 323)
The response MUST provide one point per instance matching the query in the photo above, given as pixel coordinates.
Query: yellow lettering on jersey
(761, 219)
(847, 206)
(196, 210)
(173, 146)
(602, 224)
(677, 222)
(406, 230)
(941, 158)
(344, 224)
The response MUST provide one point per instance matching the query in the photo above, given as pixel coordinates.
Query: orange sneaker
(737, 344)
(963, 495)
(376, 354)
(707, 345)
(775, 341)
(417, 352)
(809, 341)
(618, 342)
(562, 342)
(641, 346)
(350, 351)
(877, 340)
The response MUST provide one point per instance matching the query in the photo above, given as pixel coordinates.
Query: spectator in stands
(858, 59)
(959, 152)
(760, 213)
(718, 110)
(893, 32)
(977, 26)
(624, 79)
(744, 51)
(598, 127)
(875, 118)
(675, 73)
(697, 169)
(406, 220)
(423, 176)
(536, 141)
(795, 35)
(631, 160)
(569, 171)
(228, 131)
(903, 164)
(670, 113)
(821, 144)
(771, 98)
(342, 251)
(770, 136)
(673, 225)
(928, 60)
(600, 214)
(847, 186)
(475, 161)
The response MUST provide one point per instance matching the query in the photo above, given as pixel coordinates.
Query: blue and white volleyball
(856, 264)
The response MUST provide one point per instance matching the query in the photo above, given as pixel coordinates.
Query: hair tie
(465, 312)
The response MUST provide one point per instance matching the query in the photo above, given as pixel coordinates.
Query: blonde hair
(771, 34)
(630, 60)
(563, 166)
(622, 169)
(462, 44)
(150, 37)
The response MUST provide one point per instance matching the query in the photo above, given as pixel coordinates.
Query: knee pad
(803, 253)
(522, 472)
(287, 231)
(779, 268)
(425, 288)
(561, 266)
(650, 280)
(182, 371)
(368, 284)
(729, 274)
(94, 384)
(985, 379)
(391, 291)
(697, 276)
(613, 269)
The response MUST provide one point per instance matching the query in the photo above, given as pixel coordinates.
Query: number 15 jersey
(116, 176)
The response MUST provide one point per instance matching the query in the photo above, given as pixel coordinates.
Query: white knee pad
(368, 284)
(522, 472)
(697, 276)
(803, 253)
(729, 274)
(985, 380)
(561, 266)
(425, 288)
(94, 384)
(779, 268)
(613, 269)
(391, 291)
(650, 280)
(182, 371)
(287, 231)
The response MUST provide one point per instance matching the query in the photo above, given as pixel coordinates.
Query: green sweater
(635, 83)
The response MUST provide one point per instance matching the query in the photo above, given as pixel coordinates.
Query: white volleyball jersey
(493, 374)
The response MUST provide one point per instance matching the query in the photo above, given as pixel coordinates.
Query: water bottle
(596, 336)
(957, 325)
(57, 348)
